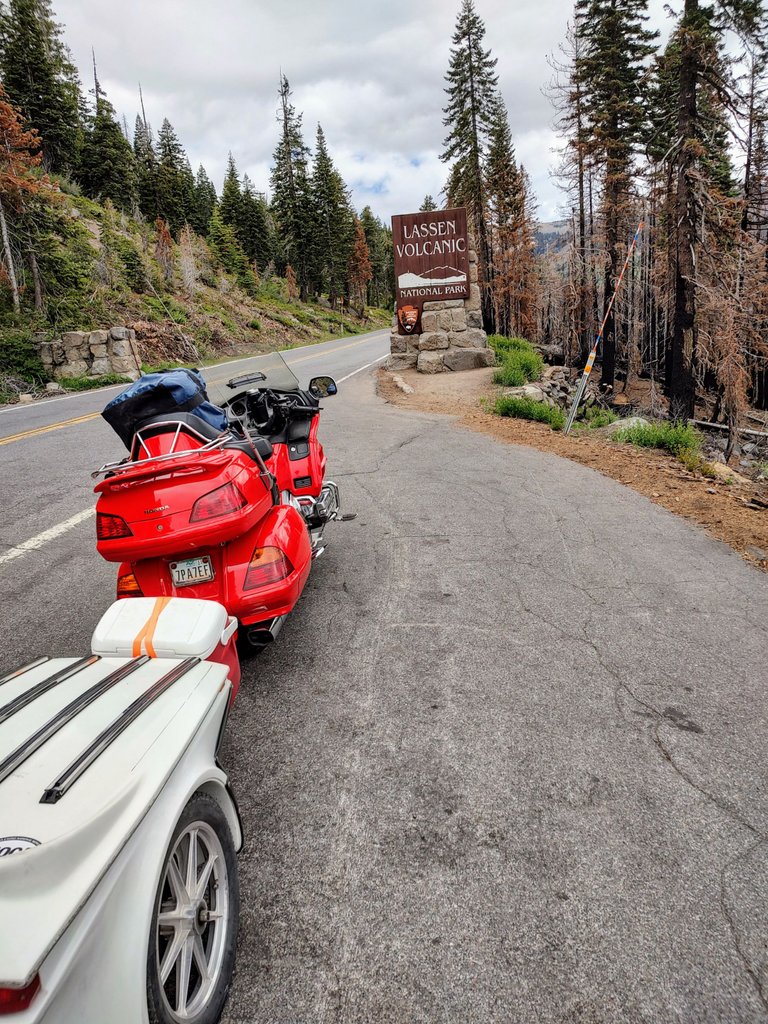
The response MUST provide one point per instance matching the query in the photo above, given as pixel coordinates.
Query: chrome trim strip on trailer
(107, 736)
(45, 732)
(20, 702)
(24, 668)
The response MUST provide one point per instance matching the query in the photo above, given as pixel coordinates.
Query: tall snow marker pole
(591, 361)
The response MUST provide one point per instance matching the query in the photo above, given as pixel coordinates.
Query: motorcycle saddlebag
(160, 394)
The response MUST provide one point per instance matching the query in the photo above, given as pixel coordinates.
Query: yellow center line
(301, 359)
(328, 351)
(51, 426)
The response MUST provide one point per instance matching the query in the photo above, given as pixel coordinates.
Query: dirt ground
(736, 513)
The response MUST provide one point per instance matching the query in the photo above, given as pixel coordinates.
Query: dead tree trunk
(36, 281)
(682, 381)
(10, 270)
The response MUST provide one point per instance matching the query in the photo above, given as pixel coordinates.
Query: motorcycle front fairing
(298, 461)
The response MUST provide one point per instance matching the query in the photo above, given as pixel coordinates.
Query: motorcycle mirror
(322, 387)
(246, 378)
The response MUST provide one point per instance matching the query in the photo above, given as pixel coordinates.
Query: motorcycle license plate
(191, 570)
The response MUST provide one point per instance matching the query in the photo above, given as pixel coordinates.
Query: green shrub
(18, 356)
(672, 437)
(167, 364)
(599, 417)
(694, 462)
(528, 409)
(166, 309)
(255, 324)
(132, 264)
(501, 344)
(273, 288)
(89, 383)
(510, 374)
(519, 361)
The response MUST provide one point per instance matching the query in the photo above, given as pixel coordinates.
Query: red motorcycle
(234, 515)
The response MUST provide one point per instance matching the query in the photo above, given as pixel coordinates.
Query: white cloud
(371, 74)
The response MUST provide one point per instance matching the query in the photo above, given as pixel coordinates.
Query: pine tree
(203, 202)
(227, 250)
(107, 165)
(696, 90)
(290, 191)
(378, 238)
(510, 232)
(471, 89)
(291, 284)
(360, 269)
(164, 249)
(253, 228)
(19, 183)
(40, 79)
(175, 181)
(333, 223)
(568, 94)
(615, 48)
(428, 204)
(146, 169)
(231, 199)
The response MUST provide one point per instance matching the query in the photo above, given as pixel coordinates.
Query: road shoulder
(735, 513)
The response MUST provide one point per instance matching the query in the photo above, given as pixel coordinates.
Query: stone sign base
(91, 354)
(453, 337)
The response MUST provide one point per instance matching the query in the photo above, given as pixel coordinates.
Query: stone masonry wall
(452, 335)
(91, 353)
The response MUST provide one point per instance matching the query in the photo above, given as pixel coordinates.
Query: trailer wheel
(192, 941)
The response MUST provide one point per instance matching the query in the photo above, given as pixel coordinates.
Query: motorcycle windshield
(279, 376)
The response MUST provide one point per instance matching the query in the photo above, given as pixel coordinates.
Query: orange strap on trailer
(147, 631)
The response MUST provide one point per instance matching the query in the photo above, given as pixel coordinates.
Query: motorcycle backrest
(163, 435)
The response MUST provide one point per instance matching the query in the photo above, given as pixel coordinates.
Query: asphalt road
(506, 761)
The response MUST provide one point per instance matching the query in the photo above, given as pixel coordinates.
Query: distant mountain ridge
(552, 236)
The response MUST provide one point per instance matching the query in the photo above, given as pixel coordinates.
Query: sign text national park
(431, 258)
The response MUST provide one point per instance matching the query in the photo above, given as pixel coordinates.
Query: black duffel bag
(161, 394)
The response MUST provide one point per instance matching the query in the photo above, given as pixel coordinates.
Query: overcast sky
(370, 73)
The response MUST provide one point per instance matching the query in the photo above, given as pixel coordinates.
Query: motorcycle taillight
(15, 1000)
(268, 565)
(111, 527)
(216, 503)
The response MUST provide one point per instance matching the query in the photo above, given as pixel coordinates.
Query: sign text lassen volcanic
(433, 244)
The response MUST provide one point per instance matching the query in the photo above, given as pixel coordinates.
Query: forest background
(99, 217)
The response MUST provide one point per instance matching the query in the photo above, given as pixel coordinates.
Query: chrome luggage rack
(125, 465)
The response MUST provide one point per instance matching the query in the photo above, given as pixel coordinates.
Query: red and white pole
(591, 360)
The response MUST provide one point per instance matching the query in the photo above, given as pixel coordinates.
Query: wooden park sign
(431, 262)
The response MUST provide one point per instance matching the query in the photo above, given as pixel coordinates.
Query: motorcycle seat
(242, 444)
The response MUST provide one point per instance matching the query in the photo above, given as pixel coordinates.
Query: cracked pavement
(506, 761)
